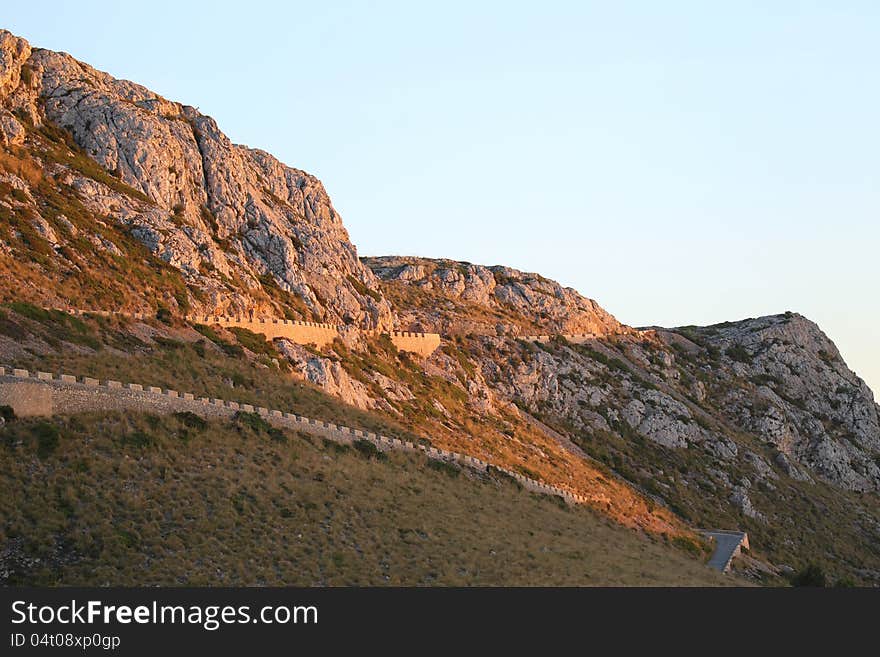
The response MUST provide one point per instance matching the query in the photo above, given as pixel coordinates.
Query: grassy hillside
(245, 367)
(137, 499)
(241, 366)
(84, 268)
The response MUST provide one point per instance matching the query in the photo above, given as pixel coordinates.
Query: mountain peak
(246, 232)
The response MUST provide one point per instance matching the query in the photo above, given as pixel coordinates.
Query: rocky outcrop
(14, 52)
(803, 398)
(234, 220)
(495, 300)
(328, 375)
(778, 378)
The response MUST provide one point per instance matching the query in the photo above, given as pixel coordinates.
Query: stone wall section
(43, 393)
(423, 344)
(578, 338)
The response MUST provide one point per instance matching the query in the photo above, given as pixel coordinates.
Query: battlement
(298, 331)
(45, 393)
(573, 338)
(235, 321)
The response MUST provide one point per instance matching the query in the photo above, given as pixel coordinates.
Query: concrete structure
(423, 344)
(728, 544)
(26, 399)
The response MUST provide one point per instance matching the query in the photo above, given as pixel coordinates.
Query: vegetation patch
(739, 354)
(445, 467)
(214, 511)
(367, 449)
(255, 342)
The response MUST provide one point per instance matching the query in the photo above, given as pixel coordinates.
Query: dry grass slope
(143, 500)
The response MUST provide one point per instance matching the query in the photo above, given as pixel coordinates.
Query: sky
(679, 162)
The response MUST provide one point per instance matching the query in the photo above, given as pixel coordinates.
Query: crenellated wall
(423, 344)
(575, 338)
(42, 393)
(293, 330)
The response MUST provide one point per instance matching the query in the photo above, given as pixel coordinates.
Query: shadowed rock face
(808, 403)
(216, 210)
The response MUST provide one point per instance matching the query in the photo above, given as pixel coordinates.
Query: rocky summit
(238, 225)
(113, 198)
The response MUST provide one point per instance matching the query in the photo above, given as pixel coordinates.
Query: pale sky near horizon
(679, 162)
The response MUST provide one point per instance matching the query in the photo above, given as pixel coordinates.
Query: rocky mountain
(112, 197)
(757, 424)
(245, 232)
(458, 298)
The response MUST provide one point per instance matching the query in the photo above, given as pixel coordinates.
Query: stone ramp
(727, 545)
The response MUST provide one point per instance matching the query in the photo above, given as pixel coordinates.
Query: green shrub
(252, 420)
(368, 449)
(277, 435)
(169, 343)
(137, 439)
(363, 289)
(191, 420)
(234, 350)
(445, 467)
(7, 413)
(334, 446)
(688, 545)
(810, 575)
(48, 437)
(255, 342)
(164, 315)
(738, 353)
(208, 332)
(30, 311)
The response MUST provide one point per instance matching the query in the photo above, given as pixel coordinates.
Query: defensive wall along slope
(573, 338)
(299, 332)
(34, 394)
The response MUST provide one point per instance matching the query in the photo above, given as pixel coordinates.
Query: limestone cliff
(115, 198)
(245, 231)
(459, 297)
(757, 424)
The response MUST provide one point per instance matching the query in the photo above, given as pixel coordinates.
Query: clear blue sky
(680, 162)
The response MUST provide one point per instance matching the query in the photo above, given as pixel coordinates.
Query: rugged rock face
(756, 424)
(805, 401)
(328, 374)
(778, 379)
(232, 219)
(494, 300)
(113, 197)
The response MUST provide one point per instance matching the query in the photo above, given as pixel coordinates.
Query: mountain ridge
(115, 198)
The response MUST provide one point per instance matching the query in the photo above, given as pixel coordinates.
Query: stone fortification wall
(296, 331)
(43, 393)
(578, 338)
